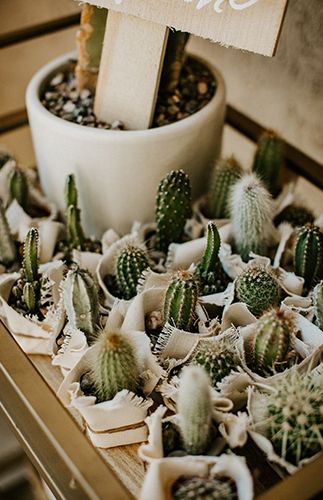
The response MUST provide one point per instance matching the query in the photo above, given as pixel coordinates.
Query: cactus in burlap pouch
(204, 488)
(131, 261)
(18, 187)
(318, 304)
(268, 160)
(181, 300)
(8, 253)
(226, 173)
(218, 358)
(308, 256)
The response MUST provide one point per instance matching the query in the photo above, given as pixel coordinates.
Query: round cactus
(226, 173)
(269, 159)
(295, 215)
(173, 208)
(218, 358)
(18, 187)
(318, 304)
(308, 256)
(181, 300)
(131, 261)
(204, 488)
(8, 253)
(258, 288)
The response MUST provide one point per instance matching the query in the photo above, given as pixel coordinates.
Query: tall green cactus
(30, 256)
(204, 488)
(318, 304)
(225, 174)
(181, 300)
(251, 211)
(173, 208)
(18, 187)
(131, 261)
(8, 253)
(268, 160)
(308, 256)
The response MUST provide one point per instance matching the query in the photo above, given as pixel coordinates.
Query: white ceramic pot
(118, 172)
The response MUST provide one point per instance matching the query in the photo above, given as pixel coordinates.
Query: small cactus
(226, 173)
(270, 348)
(30, 256)
(8, 253)
(30, 296)
(204, 488)
(318, 304)
(81, 302)
(308, 256)
(115, 365)
(218, 358)
(295, 215)
(194, 407)
(258, 288)
(268, 160)
(173, 208)
(75, 232)
(181, 300)
(210, 270)
(131, 261)
(18, 187)
(70, 191)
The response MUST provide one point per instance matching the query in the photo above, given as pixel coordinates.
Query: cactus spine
(115, 365)
(295, 215)
(194, 406)
(209, 270)
(217, 358)
(258, 288)
(8, 252)
(318, 304)
(308, 256)
(251, 210)
(226, 173)
(204, 488)
(130, 264)
(18, 187)
(181, 300)
(173, 208)
(268, 160)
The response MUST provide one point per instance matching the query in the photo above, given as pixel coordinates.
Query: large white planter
(118, 172)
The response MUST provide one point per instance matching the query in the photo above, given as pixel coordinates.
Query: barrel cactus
(204, 488)
(8, 253)
(268, 160)
(251, 212)
(259, 288)
(218, 358)
(18, 187)
(131, 261)
(173, 208)
(181, 300)
(318, 304)
(308, 256)
(295, 215)
(226, 173)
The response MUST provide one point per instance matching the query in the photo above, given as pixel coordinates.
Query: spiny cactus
(294, 416)
(295, 215)
(210, 270)
(18, 187)
(194, 407)
(80, 296)
(181, 300)
(114, 365)
(268, 160)
(8, 253)
(173, 208)
(30, 258)
(258, 288)
(131, 261)
(70, 191)
(308, 256)
(204, 488)
(270, 348)
(251, 211)
(226, 173)
(217, 358)
(318, 304)
(75, 232)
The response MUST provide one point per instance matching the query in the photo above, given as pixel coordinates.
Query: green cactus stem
(217, 358)
(251, 211)
(204, 488)
(173, 208)
(131, 261)
(18, 187)
(8, 253)
(194, 407)
(174, 59)
(181, 300)
(115, 365)
(30, 296)
(70, 192)
(30, 256)
(318, 304)
(225, 174)
(258, 288)
(295, 215)
(75, 232)
(268, 160)
(308, 256)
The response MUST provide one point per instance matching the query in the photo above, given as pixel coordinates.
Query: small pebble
(57, 79)
(202, 88)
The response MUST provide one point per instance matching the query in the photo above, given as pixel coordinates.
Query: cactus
(30, 258)
(70, 192)
(226, 173)
(308, 256)
(295, 215)
(270, 348)
(30, 296)
(258, 288)
(217, 358)
(268, 160)
(181, 300)
(204, 488)
(75, 232)
(18, 187)
(8, 252)
(131, 261)
(194, 407)
(294, 416)
(209, 270)
(318, 304)
(251, 211)
(173, 61)
(114, 365)
(81, 302)
(173, 207)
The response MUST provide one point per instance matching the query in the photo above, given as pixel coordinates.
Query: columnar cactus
(18, 187)
(258, 288)
(308, 256)
(218, 358)
(226, 173)
(8, 253)
(270, 348)
(318, 304)
(131, 261)
(204, 488)
(181, 300)
(251, 211)
(115, 365)
(81, 302)
(295, 215)
(268, 160)
(173, 208)
(194, 407)
(210, 270)
(30, 258)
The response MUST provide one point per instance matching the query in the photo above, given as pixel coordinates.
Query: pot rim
(33, 101)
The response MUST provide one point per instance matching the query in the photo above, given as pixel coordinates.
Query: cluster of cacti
(181, 300)
(308, 256)
(194, 407)
(131, 261)
(295, 215)
(204, 488)
(225, 174)
(174, 60)
(318, 304)
(268, 160)
(210, 271)
(270, 348)
(218, 358)
(18, 187)
(259, 288)
(251, 213)
(173, 208)
(8, 252)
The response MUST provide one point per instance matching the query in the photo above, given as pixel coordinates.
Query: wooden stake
(130, 69)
